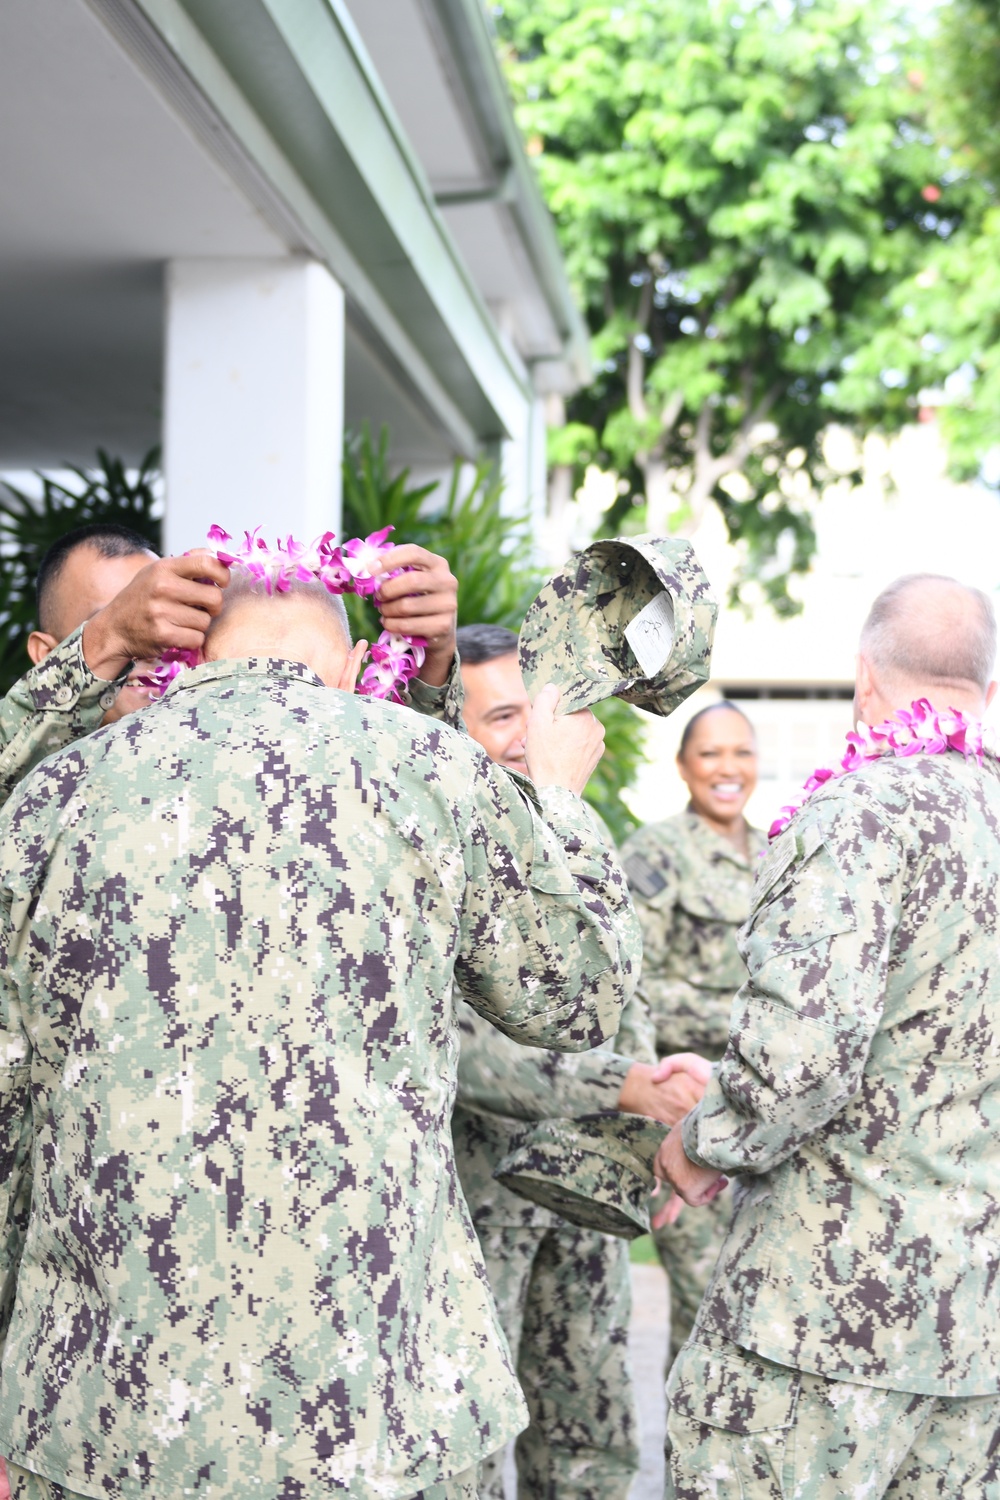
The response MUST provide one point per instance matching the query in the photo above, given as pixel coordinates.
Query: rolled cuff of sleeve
(569, 817)
(443, 703)
(690, 1126)
(597, 1085)
(63, 682)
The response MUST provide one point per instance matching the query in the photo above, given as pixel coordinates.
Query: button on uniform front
(64, 694)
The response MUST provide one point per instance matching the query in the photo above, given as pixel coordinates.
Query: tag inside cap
(651, 634)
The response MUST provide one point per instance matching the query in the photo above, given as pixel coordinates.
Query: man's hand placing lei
(413, 590)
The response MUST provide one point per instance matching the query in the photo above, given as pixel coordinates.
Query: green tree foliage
(28, 527)
(738, 184)
(491, 555)
(947, 333)
(964, 81)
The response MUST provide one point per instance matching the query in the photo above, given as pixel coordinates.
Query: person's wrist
(104, 651)
(438, 662)
(630, 1084)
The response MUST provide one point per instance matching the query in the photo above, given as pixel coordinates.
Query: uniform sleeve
(55, 703)
(654, 884)
(636, 1037)
(497, 1076)
(442, 703)
(826, 904)
(549, 943)
(15, 1130)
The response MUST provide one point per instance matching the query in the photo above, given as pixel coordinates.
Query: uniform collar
(252, 666)
(719, 847)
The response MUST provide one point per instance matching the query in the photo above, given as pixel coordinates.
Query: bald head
(305, 624)
(930, 636)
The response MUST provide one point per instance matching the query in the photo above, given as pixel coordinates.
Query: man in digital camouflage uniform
(849, 1343)
(563, 1293)
(236, 1259)
(104, 600)
(691, 889)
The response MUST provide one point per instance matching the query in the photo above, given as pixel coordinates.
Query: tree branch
(708, 470)
(635, 378)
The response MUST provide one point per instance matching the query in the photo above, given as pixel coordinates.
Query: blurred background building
(238, 225)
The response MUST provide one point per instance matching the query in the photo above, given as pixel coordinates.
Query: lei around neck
(919, 730)
(393, 661)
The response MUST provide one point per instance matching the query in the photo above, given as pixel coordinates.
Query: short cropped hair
(948, 638)
(243, 586)
(479, 643)
(696, 719)
(106, 537)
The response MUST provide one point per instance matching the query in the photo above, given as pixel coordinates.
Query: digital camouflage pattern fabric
(739, 1424)
(595, 1171)
(692, 892)
(860, 1090)
(235, 1256)
(630, 618)
(567, 1306)
(563, 1294)
(49, 707)
(688, 1251)
(27, 1486)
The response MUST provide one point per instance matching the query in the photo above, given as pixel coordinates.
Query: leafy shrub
(491, 555)
(28, 527)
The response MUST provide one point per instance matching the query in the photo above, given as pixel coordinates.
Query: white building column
(253, 399)
(523, 465)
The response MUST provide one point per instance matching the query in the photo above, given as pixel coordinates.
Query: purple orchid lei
(394, 660)
(919, 730)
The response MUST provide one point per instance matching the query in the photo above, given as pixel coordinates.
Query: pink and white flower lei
(349, 569)
(920, 730)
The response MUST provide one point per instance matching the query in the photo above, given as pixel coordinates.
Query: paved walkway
(648, 1350)
(648, 1337)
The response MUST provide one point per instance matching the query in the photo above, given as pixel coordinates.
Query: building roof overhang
(302, 151)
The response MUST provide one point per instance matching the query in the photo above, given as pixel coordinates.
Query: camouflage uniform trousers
(740, 1425)
(24, 1485)
(564, 1298)
(688, 1251)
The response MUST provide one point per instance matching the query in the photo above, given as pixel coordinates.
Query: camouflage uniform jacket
(691, 888)
(229, 930)
(861, 1088)
(501, 1085)
(50, 706)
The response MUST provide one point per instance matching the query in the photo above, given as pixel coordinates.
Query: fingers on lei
(919, 730)
(351, 568)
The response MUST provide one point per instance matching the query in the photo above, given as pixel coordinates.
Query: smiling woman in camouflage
(691, 877)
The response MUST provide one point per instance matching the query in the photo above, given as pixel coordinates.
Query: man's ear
(864, 687)
(40, 643)
(352, 666)
(991, 693)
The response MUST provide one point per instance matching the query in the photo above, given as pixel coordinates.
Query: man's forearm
(550, 939)
(15, 1180)
(58, 701)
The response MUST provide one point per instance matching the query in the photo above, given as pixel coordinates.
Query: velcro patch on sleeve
(642, 877)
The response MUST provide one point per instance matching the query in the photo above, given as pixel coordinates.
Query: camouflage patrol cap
(595, 1171)
(628, 618)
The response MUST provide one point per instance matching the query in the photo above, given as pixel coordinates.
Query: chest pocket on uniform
(727, 902)
(706, 920)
